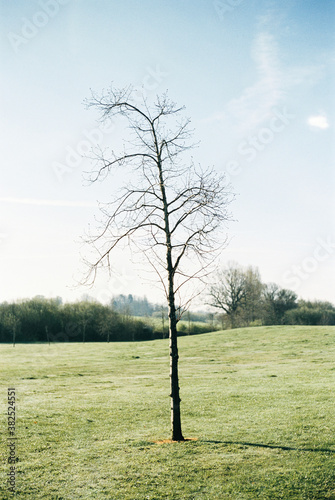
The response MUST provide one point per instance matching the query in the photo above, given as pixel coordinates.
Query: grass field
(260, 402)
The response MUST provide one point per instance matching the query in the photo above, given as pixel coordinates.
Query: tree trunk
(47, 333)
(174, 379)
(232, 319)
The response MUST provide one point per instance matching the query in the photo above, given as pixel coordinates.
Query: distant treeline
(49, 320)
(244, 300)
(140, 306)
(129, 318)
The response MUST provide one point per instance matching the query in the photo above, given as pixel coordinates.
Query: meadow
(93, 420)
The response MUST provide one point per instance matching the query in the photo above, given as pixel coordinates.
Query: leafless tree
(171, 211)
(13, 323)
(252, 306)
(229, 291)
(238, 292)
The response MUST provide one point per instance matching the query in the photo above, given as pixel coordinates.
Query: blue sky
(257, 80)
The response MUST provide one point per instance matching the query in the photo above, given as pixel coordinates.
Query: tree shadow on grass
(271, 446)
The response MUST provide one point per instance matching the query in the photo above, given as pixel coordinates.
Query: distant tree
(85, 315)
(229, 291)
(163, 321)
(252, 303)
(108, 323)
(13, 323)
(132, 306)
(277, 301)
(311, 313)
(123, 305)
(47, 334)
(169, 212)
(40, 318)
(188, 315)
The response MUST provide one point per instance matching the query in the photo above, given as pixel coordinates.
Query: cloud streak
(49, 203)
(257, 101)
(255, 105)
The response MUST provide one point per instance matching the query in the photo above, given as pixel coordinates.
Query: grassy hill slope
(260, 402)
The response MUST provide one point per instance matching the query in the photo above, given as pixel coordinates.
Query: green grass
(259, 400)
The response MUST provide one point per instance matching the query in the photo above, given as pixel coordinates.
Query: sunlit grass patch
(93, 420)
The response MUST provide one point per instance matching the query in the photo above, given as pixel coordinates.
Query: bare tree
(229, 291)
(13, 323)
(252, 306)
(85, 314)
(170, 212)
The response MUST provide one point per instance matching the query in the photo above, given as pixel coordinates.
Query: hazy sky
(257, 79)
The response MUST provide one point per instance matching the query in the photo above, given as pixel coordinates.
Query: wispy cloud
(318, 121)
(50, 203)
(257, 101)
(255, 105)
